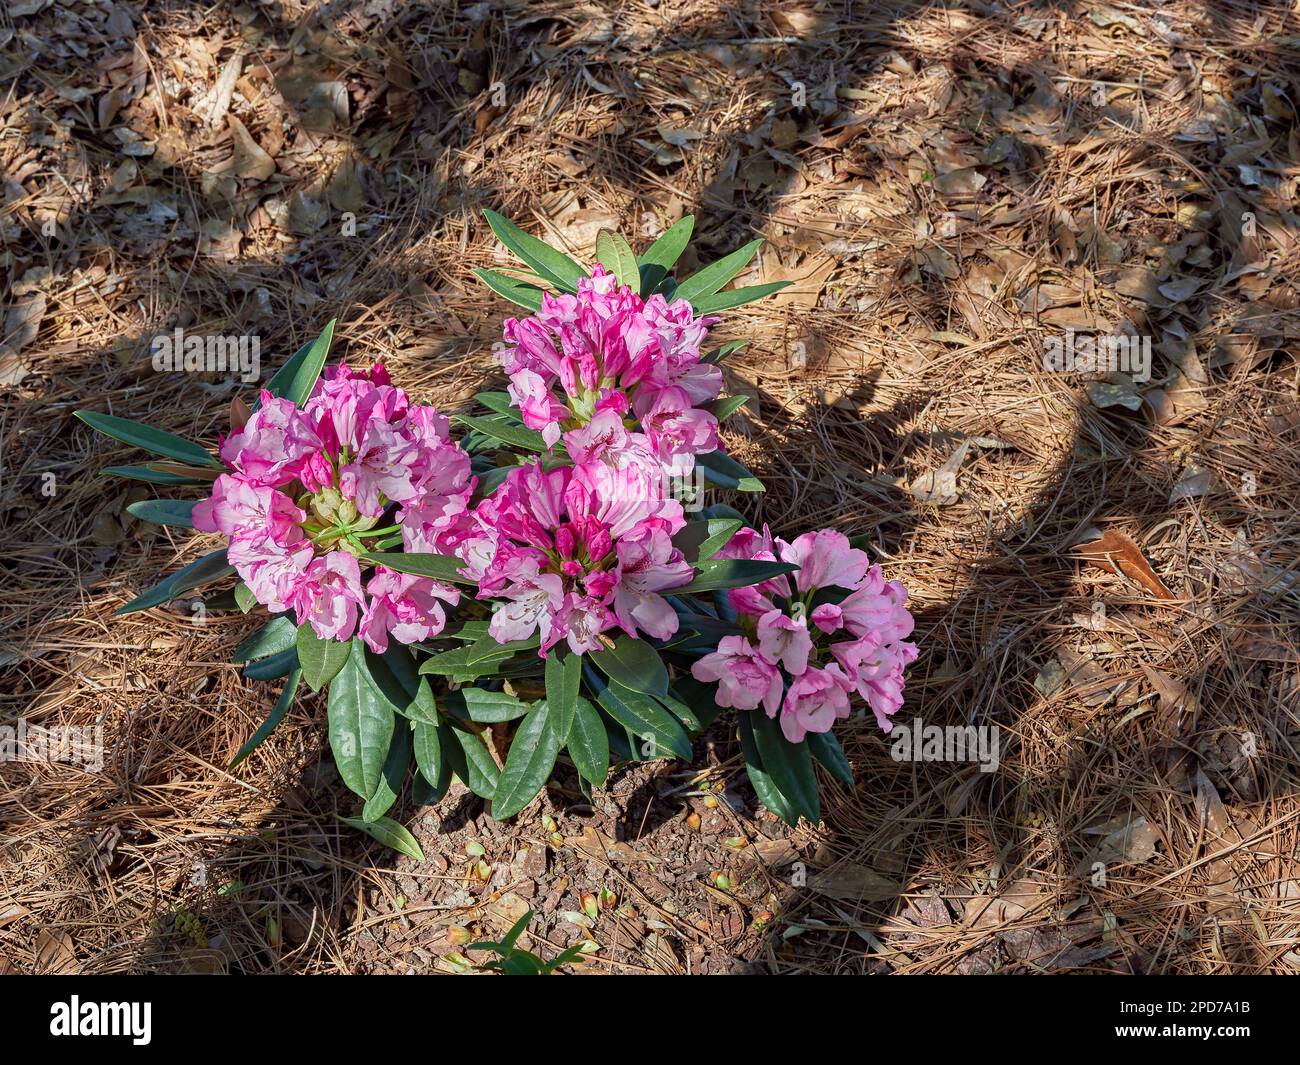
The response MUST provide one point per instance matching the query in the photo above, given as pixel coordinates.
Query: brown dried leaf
(1117, 553)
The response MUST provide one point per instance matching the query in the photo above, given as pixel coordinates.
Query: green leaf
(393, 776)
(701, 698)
(273, 638)
(394, 674)
(588, 743)
(721, 470)
(546, 261)
(275, 666)
(718, 354)
(389, 833)
(725, 408)
(456, 663)
(732, 573)
(485, 707)
(499, 403)
(276, 715)
(320, 659)
(427, 742)
(211, 567)
(520, 293)
(634, 664)
(827, 750)
(478, 770)
(361, 724)
(244, 597)
(297, 377)
(788, 764)
(764, 787)
(640, 714)
(422, 564)
(507, 432)
(615, 254)
(563, 683)
(177, 512)
(715, 275)
(721, 531)
(169, 445)
(736, 297)
(144, 473)
(528, 763)
(668, 248)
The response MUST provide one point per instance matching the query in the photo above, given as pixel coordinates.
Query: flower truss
(540, 573)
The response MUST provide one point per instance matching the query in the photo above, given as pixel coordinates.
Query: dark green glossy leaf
(211, 567)
(736, 297)
(528, 764)
(563, 683)
(176, 512)
(297, 377)
(508, 432)
(589, 743)
(320, 659)
(764, 787)
(732, 573)
(520, 293)
(422, 564)
(634, 664)
(722, 471)
(643, 716)
(788, 764)
(393, 776)
(614, 253)
(275, 636)
(273, 667)
(668, 248)
(361, 725)
(160, 442)
(708, 280)
(476, 766)
(827, 750)
(553, 265)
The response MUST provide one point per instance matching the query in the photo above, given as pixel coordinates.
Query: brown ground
(958, 184)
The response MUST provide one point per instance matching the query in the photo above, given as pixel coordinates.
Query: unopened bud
(721, 881)
(458, 935)
(608, 900)
(693, 821)
(590, 906)
(548, 823)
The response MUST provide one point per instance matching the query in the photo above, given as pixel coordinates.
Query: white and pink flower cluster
(829, 644)
(307, 491)
(572, 552)
(620, 378)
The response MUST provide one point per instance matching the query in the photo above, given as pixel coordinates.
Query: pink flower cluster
(829, 645)
(572, 552)
(617, 360)
(306, 493)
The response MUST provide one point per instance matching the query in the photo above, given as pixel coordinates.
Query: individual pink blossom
(875, 670)
(825, 560)
(404, 605)
(785, 639)
(746, 679)
(330, 595)
(815, 700)
(274, 445)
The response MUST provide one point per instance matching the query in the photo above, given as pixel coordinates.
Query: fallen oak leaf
(1117, 553)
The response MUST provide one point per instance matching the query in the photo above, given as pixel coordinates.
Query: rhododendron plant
(542, 573)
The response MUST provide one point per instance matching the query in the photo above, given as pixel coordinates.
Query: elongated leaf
(788, 764)
(720, 469)
(485, 707)
(393, 775)
(718, 354)
(273, 638)
(589, 743)
(732, 573)
(507, 432)
(282, 704)
(736, 297)
(158, 441)
(476, 767)
(725, 408)
(244, 597)
(640, 714)
(422, 564)
(297, 377)
(426, 742)
(827, 750)
(618, 258)
(634, 664)
(715, 275)
(721, 532)
(389, 833)
(270, 668)
(397, 679)
(144, 473)
(498, 403)
(563, 682)
(361, 724)
(211, 567)
(528, 763)
(176, 512)
(766, 790)
(668, 248)
(320, 659)
(520, 293)
(546, 261)
(456, 663)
